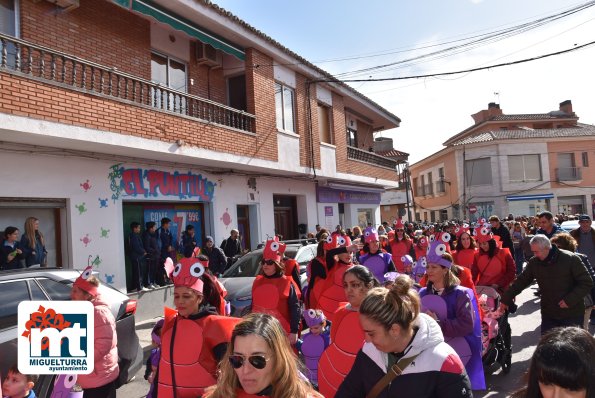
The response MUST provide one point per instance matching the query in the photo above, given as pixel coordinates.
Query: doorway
(285, 209)
(243, 214)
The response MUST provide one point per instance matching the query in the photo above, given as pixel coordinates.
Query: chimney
(383, 144)
(566, 107)
(486, 114)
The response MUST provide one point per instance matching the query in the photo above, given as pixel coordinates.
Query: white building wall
(328, 221)
(92, 218)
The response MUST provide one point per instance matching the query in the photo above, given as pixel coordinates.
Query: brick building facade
(99, 100)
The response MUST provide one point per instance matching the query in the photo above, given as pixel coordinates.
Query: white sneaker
(144, 289)
(154, 286)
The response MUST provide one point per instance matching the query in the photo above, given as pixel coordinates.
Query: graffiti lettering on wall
(141, 182)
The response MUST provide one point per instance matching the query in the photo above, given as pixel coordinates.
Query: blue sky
(436, 108)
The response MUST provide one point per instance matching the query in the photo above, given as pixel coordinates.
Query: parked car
(569, 225)
(55, 284)
(239, 278)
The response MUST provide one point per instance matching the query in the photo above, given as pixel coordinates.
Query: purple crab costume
(461, 330)
(63, 386)
(313, 345)
(377, 263)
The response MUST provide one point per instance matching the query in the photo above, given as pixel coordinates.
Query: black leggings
(106, 391)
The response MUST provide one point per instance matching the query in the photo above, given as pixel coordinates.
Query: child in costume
(313, 343)
(378, 262)
(155, 356)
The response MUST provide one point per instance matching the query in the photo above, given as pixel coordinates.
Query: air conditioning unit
(207, 54)
(67, 5)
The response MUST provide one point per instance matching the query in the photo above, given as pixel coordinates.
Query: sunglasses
(400, 230)
(257, 361)
(268, 262)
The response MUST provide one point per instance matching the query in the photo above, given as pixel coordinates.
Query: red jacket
(499, 270)
(399, 249)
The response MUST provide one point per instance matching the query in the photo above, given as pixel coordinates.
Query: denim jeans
(519, 260)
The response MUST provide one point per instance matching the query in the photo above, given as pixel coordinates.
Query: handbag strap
(393, 372)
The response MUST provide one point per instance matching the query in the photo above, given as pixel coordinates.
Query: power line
(454, 72)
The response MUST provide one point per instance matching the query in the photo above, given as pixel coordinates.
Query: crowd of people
(148, 251)
(386, 311)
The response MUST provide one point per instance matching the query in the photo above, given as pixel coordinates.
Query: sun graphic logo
(55, 337)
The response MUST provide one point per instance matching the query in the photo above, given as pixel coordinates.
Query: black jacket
(561, 276)
(504, 234)
(217, 260)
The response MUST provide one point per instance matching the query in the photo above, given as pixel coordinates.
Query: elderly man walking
(562, 279)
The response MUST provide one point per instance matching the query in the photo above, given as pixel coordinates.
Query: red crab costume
(333, 293)
(192, 346)
(275, 295)
(464, 257)
(347, 338)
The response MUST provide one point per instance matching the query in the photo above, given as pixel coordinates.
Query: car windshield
(247, 266)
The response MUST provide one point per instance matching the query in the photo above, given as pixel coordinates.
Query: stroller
(496, 332)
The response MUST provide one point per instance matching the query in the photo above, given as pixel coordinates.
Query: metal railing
(41, 63)
(370, 157)
(569, 174)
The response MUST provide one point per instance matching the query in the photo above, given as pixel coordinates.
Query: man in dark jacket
(562, 279)
(504, 233)
(585, 237)
(137, 258)
(232, 247)
(548, 226)
(217, 260)
(153, 257)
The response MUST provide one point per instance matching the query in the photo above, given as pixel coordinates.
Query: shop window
(523, 168)
(284, 107)
(478, 172)
(365, 217)
(324, 124)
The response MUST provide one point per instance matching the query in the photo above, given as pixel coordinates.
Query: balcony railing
(44, 64)
(370, 157)
(569, 174)
(429, 189)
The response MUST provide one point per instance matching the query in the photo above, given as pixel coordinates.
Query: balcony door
(566, 167)
(172, 74)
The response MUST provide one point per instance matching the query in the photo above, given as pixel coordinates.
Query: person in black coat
(137, 257)
(153, 256)
(11, 255)
(217, 259)
(504, 233)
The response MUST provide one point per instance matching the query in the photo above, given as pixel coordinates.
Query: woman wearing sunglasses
(188, 363)
(274, 293)
(260, 363)
(347, 336)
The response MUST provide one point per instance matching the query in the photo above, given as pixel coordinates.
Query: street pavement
(525, 335)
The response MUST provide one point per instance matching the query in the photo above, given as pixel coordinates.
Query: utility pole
(406, 177)
(464, 186)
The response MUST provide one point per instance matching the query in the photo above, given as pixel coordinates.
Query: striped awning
(512, 198)
(151, 9)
